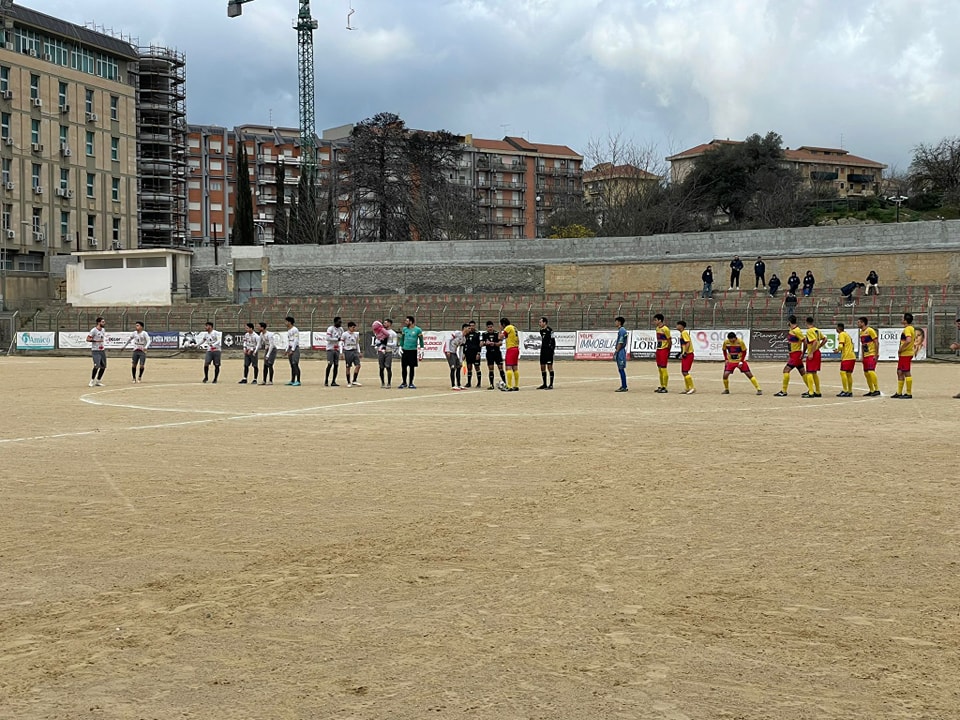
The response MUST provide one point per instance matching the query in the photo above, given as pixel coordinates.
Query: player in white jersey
(334, 336)
(453, 351)
(251, 346)
(293, 351)
(269, 346)
(386, 349)
(212, 339)
(141, 341)
(97, 337)
(351, 353)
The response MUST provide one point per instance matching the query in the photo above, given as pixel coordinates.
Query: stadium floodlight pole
(235, 7)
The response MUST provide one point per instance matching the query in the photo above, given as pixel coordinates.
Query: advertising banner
(890, 343)
(36, 340)
(595, 344)
(831, 351)
(164, 340)
(768, 345)
(318, 340)
(643, 344)
(708, 344)
(433, 343)
(78, 340)
(530, 344)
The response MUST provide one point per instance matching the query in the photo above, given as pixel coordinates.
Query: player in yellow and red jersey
(735, 358)
(509, 333)
(848, 360)
(795, 339)
(868, 356)
(908, 339)
(815, 341)
(662, 352)
(686, 357)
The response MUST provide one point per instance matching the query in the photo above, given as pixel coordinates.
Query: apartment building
(67, 140)
(820, 167)
(606, 184)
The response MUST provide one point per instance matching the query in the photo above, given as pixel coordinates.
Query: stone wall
(918, 253)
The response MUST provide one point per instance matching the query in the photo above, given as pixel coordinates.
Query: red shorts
(795, 360)
(847, 365)
(813, 362)
(903, 363)
(662, 357)
(732, 366)
(686, 362)
(513, 357)
(870, 363)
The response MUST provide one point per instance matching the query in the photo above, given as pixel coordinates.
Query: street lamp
(898, 199)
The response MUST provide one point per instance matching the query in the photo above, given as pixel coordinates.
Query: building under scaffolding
(161, 147)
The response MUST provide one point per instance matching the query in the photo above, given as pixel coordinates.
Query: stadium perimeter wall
(916, 253)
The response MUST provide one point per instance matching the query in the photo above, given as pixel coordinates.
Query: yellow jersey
(907, 340)
(734, 351)
(686, 345)
(845, 345)
(814, 338)
(868, 342)
(509, 333)
(663, 338)
(795, 339)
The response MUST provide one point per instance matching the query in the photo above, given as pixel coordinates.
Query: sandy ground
(177, 550)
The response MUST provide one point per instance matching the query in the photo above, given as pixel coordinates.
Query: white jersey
(293, 339)
(251, 343)
(267, 342)
(351, 341)
(211, 339)
(453, 343)
(140, 340)
(96, 337)
(334, 334)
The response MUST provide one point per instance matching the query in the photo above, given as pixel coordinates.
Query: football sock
(899, 387)
(516, 378)
(873, 381)
(910, 385)
(726, 383)
(551, 378)
(688, 382)
(543, 374)
(756, 383)
(816, 383)
(786, 381)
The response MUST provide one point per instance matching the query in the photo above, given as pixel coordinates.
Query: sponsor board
(595, 344)
(643, 344)
(37, 340)
(164, 340)
(889, 341)
(708, 344)
(318, 340)
(768, 345)
(831, 351)
(772, 344)
(78, 340)
(433, 344)
(530, 344)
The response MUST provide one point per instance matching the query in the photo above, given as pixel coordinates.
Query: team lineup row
(464, 349)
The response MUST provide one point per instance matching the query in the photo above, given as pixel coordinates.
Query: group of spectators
(794, 283)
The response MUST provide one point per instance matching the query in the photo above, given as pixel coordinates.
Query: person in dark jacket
(707, 278)
(774, 285)
(736, 265)
(760, 271)
(790, 301)
(808, 283)
(849, 292)
(793, 282)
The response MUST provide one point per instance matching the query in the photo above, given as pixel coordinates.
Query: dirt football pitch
(178, 550)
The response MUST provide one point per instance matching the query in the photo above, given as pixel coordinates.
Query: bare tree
(935, 169)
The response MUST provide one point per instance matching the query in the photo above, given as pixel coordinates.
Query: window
(7, 214)
(102, 263)
(216, 165)
(91, 227)
(91, 182)
(194, 185)
(4, 78)
(31, 262)
(64, 178)
(147, 262)
(7, 166)
(114, 107)
(64, 225)
(35, 171)
(89, 144)
(116, 230)
(115, 190)
(5, 125)
(115, 149)
(217, 186)
(64, 135)
(37, 220)
(35, 132)
(34, 86)
(88, 103)
(62, 95)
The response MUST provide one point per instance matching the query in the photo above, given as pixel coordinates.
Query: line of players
(805, 357)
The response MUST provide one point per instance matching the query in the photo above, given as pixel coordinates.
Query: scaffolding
(161, 147)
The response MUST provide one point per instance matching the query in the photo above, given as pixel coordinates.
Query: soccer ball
(501, 385)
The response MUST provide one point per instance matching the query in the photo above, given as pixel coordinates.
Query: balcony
(823, 176)
(859, 178)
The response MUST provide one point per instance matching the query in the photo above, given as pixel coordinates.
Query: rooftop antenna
(504, 127)
(349, 15)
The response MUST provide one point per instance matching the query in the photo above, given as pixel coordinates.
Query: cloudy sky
(873, 76)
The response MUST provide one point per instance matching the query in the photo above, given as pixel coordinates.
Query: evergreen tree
(244, 231)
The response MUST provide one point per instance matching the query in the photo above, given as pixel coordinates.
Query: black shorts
(408, 358)
(471, 358)
(546, 358)
(494, 358)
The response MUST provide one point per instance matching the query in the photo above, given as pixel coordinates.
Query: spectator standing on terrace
(736, 265)
(808, 283)
(873, 283)
(760, 273)
(707, 278)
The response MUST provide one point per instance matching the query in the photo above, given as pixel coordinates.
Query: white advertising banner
(318, 340)
(643, 344)
(36, 340)
(433, 343)
(78, 340)
(890, 343)
(708, 344)
(530, 344)
(831, 351)
(595, 344)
